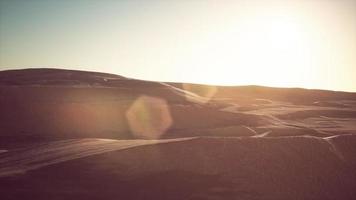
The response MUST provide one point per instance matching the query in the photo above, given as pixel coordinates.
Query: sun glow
(267, 48)
(273, 46)
(283, 43)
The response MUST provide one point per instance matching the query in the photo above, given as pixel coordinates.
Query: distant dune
(68, 134)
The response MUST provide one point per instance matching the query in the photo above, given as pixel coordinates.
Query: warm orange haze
(177, 100)
(281, 43)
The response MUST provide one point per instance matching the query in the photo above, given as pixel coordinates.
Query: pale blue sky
(284, 43)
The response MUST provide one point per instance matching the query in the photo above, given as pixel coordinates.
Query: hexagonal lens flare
(149, 117)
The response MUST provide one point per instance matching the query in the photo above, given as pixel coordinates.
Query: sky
(281, 43)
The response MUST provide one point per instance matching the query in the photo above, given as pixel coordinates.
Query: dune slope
(68, 134)
(201, 168)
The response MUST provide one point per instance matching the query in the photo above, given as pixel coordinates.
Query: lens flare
(149, 117)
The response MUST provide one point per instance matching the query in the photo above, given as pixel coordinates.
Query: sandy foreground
(85, 135)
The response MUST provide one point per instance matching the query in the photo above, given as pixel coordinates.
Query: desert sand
(86, 135)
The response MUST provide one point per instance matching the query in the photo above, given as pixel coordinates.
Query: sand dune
(202, 168)
(41, 155)
(3, 150)
(68, 134)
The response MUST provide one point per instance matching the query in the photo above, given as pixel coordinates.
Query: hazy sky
(295, 43)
